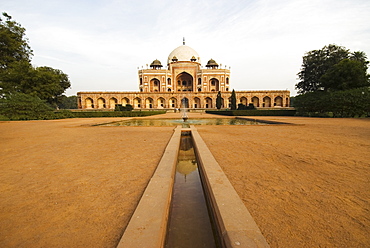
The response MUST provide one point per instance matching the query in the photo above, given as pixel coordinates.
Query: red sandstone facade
(184, 83)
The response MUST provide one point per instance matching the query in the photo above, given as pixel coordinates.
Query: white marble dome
(183, 53)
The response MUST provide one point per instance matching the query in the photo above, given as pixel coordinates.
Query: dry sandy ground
(63, 185)
(67, 185)
(306, 185)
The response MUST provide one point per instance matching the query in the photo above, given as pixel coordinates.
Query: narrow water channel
(189, 222)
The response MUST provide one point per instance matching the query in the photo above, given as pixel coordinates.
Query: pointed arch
(278, 101)
(184, 103)
(112, 102)
(214, 84)
(256, 101)
(149, 103)
(89, 103)
(266, 102)
(101, 103)
(137, 102)
(184, 82)
(155, 85)
(197, 102)
(161, 103)
(125, 101)
(172, 102)
(208, 102)
(244, 100)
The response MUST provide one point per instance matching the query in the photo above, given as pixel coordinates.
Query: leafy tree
(20, 106)
(67, 102)
(17, 75)
(15, 56)
(347, 74)
(292, 101)
(13, 43)
(48, 84)
(312, 102)
(219, 100)
(316, 63)
(44, 82)
(361, 57)
(233, 100)
(335, 81)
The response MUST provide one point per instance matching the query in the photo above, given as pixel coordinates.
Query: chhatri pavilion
(183, 83)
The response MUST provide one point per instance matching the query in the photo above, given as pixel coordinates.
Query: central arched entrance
(184, 82)
(185, 103)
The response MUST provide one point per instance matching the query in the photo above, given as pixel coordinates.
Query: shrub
(20, 106)
(119, 107)
(255, 112)
(241, 106)
(94, 114)
(63, 114)
(345, 103)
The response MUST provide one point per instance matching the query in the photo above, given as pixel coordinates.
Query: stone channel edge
(148, 225)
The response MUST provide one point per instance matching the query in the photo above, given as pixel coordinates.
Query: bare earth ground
(63, 185)
(306, 185)
(67, 185)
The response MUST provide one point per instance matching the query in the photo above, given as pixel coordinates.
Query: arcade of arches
(198, 100)
(183, 83)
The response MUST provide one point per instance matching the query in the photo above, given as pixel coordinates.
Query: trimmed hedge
(94, 114)
(255, 112)
(4, 118)
(345, 103)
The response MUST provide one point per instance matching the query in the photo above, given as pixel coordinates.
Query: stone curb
(235, 225)
(148, 225)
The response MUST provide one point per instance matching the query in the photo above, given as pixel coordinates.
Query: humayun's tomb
(183, 83)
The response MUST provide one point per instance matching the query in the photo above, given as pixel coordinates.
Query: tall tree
(48, 84)
(233, 100)
(347, 74)
(17, 75)
(13, 42)
(333, 80)
(218, 100)
(361, 57)
(315, 64)
(67, 102)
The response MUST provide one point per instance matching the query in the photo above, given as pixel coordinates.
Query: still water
(189, 222)
(175, 122)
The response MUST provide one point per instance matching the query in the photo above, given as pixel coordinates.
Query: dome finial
(183, 40)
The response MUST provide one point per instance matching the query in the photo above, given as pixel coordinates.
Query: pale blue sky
(100, 43)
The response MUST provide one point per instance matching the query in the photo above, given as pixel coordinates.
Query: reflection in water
(175, 122)
(186, 167)
(189, 224)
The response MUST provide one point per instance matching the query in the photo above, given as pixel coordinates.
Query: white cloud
(100, 44)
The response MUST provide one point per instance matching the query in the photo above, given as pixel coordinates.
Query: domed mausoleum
(183, 53)
(183, 82)
(184, 74)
